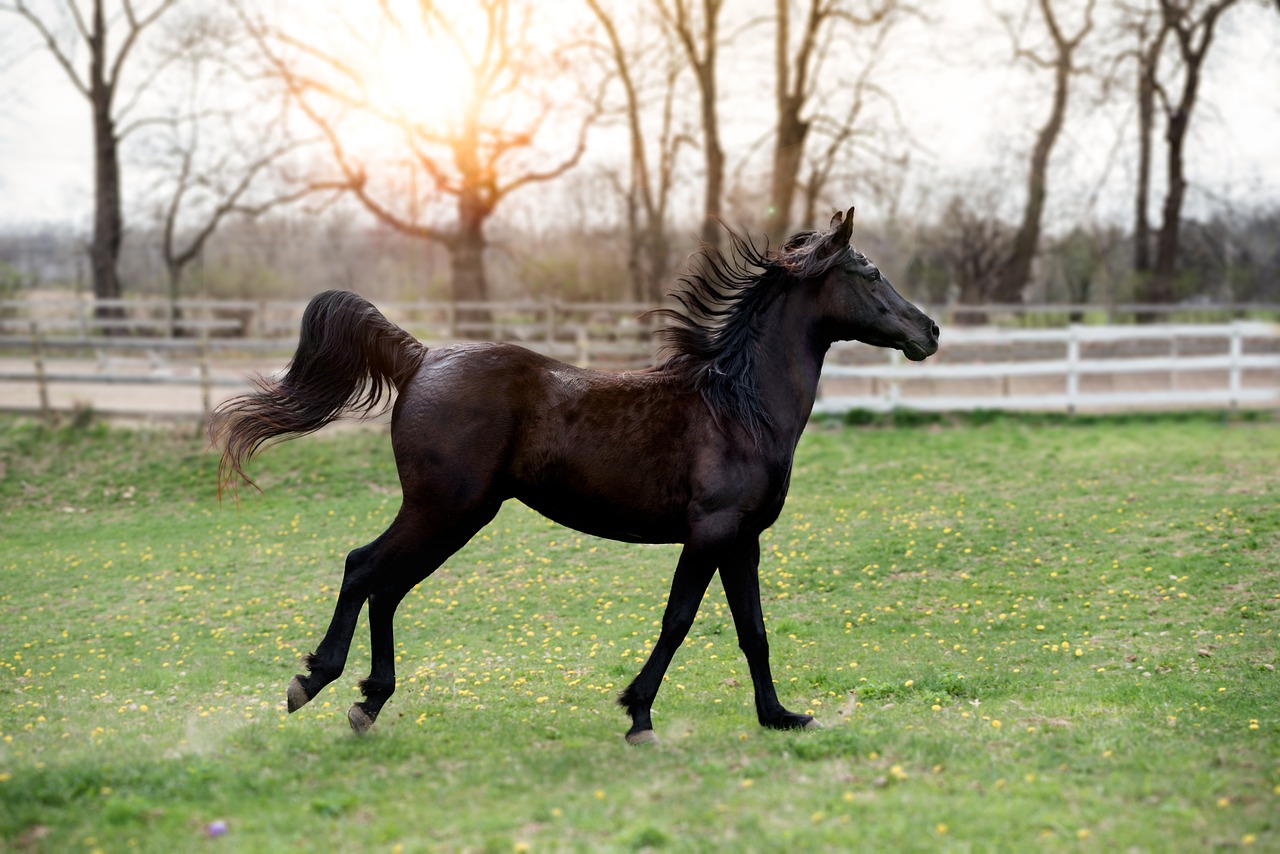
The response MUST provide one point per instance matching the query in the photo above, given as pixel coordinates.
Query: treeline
(1226, 259)
(477, 148)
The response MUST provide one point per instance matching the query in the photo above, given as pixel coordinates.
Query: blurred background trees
(98, 53)
(580, 149)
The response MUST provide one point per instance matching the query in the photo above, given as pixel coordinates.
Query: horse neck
(789, 363)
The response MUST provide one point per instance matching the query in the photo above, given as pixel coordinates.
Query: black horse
(696, 451)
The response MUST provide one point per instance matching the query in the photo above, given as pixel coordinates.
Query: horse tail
(349, 356)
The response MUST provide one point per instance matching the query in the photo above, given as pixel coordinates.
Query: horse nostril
(933, 327)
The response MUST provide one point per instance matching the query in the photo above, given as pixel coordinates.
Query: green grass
(1020, 635)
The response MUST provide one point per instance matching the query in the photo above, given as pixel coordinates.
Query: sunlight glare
(420, 79)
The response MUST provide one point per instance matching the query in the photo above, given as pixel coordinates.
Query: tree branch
(20, 8)
(136, 26)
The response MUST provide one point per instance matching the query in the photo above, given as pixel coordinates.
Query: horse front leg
(740, 575)
(693, 574)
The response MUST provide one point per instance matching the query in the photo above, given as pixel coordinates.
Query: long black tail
(348, 358)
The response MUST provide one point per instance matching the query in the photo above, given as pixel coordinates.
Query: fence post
(895, 387)
(205, 408)
(1073, 366)
(42, 383)
(1237, 353)
(551, 306)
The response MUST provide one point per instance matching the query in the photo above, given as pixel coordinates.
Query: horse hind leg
(384, 562)
(405, 570)
(381, 682)
(329, 658)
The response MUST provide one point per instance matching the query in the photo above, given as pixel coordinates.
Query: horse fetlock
(381, 688)
(635, 701)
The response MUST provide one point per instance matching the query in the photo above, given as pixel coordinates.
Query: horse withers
(696, 451)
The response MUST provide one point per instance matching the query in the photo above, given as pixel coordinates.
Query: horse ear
(841, 230)
(846, 230)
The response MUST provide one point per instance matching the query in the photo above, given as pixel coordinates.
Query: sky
(967, 111)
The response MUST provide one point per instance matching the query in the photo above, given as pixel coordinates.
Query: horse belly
(616, 499)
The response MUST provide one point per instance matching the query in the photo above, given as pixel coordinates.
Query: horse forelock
(713, 344)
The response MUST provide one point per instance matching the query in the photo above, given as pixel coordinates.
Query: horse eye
(873, 276)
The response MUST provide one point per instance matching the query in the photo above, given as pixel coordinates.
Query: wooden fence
(140, 357)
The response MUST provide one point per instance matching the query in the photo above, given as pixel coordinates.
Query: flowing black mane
(712, 344)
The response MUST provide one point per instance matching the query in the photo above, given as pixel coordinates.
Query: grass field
(1019, 635)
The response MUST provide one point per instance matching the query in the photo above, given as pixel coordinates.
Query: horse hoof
(813, 724)
(297, 695)
(359, 720)
(644, 736)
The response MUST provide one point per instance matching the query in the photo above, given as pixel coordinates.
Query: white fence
(1203, 365)
(147, 359)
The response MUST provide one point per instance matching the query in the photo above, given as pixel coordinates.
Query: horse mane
(712, 345)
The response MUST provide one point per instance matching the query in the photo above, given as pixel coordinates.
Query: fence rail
(64, 352)
(1232, 377)
(531, 319)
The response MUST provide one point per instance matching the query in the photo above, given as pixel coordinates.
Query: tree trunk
(466, 257)
(714, 154)
(788, 143)
(659, 251)
(788, 153)
(971, 293)
(1146, 123)
(1161, 286)
(1016, 271)
(637, 277)
(108, 222)
(1148, 57)
(175, 295)
(1178, 119)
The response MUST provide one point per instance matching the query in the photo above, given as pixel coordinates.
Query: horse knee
(677, 622)
(753, 643)
(355, 575)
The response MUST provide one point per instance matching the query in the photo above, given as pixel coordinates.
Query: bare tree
(956, 256)
(849, 140)
(64, 30)
(475, 158)
(972, 243)
(1149, 33)
(653, 157)
(698, 31)
(217, 153)
(1060, 60)
(799, 69)
(1083, 264)
(1190, 26)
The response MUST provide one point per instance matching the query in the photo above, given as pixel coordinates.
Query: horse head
(855, 301)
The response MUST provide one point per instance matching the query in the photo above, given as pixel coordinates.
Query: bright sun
(420, 79)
